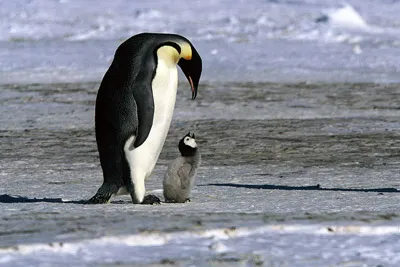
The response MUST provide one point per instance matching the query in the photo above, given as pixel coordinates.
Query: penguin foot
(177, 201)
(103, 195)
(99, 199)
(169, 201)
(151, 200)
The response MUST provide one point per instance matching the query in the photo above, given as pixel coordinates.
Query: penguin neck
(168, 54)
(187, 151)
(164, 85)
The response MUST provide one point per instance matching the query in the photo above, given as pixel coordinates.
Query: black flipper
(145, 112)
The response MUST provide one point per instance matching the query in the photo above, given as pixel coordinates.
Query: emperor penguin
(134, 108)
(181, 172)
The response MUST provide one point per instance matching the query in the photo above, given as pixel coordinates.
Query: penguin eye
(187, 139)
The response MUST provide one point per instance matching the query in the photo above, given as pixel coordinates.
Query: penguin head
(179, 49)
(187, 145)
(191, 65)
(182, 52)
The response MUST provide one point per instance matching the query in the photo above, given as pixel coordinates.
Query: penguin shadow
(20, 199)
(304, 188)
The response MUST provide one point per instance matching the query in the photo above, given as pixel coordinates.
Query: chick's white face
(190, 142)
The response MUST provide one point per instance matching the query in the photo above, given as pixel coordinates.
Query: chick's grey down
(180, 176)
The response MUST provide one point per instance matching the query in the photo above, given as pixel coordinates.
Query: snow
(346, 17)
(61, 41)
(132, 248)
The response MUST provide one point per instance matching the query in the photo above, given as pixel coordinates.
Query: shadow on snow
(20, 199)
(306, 188)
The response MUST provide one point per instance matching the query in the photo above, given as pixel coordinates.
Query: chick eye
(187, 139)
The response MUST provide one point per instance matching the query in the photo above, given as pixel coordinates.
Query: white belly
(142, 160)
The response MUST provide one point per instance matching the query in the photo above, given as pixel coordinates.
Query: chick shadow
(304, 188)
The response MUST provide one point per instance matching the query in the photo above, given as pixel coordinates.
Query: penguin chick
(181, 172)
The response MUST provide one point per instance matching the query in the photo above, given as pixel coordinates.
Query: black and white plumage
(134, 108)
(180, 176)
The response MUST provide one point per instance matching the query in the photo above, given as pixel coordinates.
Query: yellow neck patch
(170, 52)
(186, 51)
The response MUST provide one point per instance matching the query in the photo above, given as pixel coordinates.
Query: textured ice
(263, 244)
(287, 165)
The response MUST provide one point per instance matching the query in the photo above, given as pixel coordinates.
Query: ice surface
(287, 165)
(263, 245)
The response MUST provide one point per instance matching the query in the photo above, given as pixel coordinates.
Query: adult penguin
(134, 108)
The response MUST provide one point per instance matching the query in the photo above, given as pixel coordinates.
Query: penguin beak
(192, 69)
